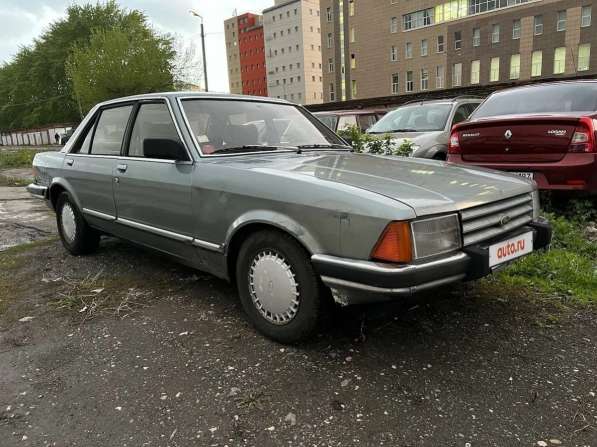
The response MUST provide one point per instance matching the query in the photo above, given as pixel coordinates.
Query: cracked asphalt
(127, 348)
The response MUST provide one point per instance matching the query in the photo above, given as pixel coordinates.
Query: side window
(110, 131)
(346, 121)
(153, 122)
(462, 113)
(84, 141)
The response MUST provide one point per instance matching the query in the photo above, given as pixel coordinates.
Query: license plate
(528, 175)
(510, 249)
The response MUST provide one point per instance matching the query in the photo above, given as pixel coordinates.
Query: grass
(568, 270)
(8, 180)
(20, 158)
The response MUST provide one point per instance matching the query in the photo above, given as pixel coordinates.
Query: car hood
(427, 186)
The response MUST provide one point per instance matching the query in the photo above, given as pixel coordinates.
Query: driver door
(153, 195)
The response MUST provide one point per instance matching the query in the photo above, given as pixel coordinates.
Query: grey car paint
(333, 202)
(434, 143)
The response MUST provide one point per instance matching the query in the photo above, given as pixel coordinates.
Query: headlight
(435, 236)
(536, 204)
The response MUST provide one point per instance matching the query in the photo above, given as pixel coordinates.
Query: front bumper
(41, 192)
(357, 282)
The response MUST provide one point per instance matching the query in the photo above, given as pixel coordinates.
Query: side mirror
(164, 149)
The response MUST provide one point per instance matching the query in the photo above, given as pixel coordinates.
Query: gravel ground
(126, 348)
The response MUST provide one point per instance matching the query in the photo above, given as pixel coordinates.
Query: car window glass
(329, 120)
(549, 98)
(414, 118)
(107, 139)
(224, 124)
(346, 121)
(462, 113)
(84, 141)
(366, 121)
(153, 121)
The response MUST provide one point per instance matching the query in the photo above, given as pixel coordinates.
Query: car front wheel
(76, 235)
(278, 288)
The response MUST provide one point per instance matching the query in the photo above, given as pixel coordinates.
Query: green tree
(120, 62)
(34, 86)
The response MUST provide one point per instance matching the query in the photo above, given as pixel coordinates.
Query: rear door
(89, 167)
(153, 196)
(517, 139)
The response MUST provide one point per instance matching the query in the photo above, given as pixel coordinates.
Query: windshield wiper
(323, 146)
(252, 148)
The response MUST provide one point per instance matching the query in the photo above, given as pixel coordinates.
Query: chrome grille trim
(485, 222)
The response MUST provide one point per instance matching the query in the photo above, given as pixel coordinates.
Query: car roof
(453, 100)
(544, 84)
(191, 94)
(351, 112)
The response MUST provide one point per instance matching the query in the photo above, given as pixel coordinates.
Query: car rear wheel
(76, 235)
(280, 293)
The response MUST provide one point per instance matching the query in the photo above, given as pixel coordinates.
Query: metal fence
(35, 137)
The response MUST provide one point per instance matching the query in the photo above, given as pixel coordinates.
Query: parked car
(339, 120)
(289, 214)
(426, 124)
(545, 132)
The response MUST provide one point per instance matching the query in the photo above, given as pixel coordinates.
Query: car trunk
(517, 139)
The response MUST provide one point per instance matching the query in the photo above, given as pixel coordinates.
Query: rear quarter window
(109, 133)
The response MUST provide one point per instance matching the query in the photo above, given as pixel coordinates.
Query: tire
(273, 273)
(440, 156)
(76, 235)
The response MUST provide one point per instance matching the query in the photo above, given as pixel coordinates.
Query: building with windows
(245, 51)
(373, 48)
(293, 51)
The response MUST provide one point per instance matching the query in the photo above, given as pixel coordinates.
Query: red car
(545, 132)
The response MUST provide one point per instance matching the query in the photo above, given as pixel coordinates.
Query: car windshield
(414, 118)
(554, 98)
(228, 126)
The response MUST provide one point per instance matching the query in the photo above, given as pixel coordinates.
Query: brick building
(373, 48)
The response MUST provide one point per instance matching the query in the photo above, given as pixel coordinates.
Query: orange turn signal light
(395, 244)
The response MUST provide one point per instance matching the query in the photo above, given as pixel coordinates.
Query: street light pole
(202, 49)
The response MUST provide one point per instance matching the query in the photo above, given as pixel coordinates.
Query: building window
(584, 55)
(330, 40)
(353, 37)
(476, 37)
(516, 29)
(536, 63)
(395, 84)
(424, 47)
(561, 23)
(457, 75)
(353, 61)
(353, 88)
(417, 19)
(494, 69)
(328, 15)
(559, 60)
(585, 16)
(330, 65)
(394, 25)
(393, 54)
(440, 44)
(410, 84)
(538, 25)
(439, 76)
(351, 8)
(475, 72)
(332, 94)
(515, 66)
(409, 50)
(458, 40)
(495, 33)
(424, 79)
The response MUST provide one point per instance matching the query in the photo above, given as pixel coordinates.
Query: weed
(20, 158)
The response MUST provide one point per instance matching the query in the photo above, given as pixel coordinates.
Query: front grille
(487, 221)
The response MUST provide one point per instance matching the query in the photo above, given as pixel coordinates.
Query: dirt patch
(481, 365)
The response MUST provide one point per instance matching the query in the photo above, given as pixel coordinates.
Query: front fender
(278, 220)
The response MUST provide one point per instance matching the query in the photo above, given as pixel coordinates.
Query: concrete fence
(34, 137)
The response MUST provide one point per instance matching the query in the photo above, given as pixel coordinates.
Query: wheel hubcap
(69, 224)
(273, 287)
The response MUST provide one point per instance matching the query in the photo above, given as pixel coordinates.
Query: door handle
(121, 167)
(69, 161)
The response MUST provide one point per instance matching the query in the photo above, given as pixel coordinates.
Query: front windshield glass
(414, 118)
(248, 126)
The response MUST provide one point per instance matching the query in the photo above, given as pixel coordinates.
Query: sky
(23, 20)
